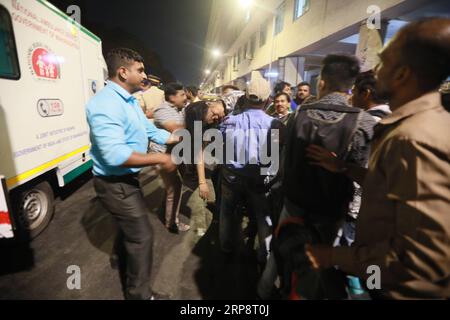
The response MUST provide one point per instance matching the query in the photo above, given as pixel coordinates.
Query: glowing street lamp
(207, 72)
(246, 3)
(216, 53)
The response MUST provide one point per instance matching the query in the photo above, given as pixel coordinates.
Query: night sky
(174, 29)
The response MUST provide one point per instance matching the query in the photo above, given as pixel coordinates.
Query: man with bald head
(404, 222)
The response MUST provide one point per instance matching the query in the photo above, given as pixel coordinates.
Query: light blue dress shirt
(118, 127)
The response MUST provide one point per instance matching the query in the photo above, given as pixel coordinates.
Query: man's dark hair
(229, 86)
(339, 72)
(304, 83)
(279, 87)
(121, 57)
(426, 50)
(193, 90)
(171, 89)
(283, 94)
(366, 81)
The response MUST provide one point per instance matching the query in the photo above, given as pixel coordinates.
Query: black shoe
(173, 229)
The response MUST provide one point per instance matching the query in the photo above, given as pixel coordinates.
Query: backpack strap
(329, 107)
(355, 128)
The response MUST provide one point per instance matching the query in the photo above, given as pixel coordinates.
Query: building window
(279, 18)
(239, 56)
(253, 45)
(244, 51)
(9, 64)
(300, 8)
(251, 48)
(263, 34)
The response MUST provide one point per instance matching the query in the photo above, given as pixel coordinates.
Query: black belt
(125, 178)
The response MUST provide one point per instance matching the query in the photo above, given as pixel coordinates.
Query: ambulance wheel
(34, 207)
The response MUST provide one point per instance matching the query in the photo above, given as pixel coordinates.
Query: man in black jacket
(320, 198)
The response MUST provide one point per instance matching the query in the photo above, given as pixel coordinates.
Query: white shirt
(382, 107)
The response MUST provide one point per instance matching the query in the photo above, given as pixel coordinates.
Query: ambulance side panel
(43, 112)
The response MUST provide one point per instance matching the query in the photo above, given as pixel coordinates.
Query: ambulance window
(9, 64)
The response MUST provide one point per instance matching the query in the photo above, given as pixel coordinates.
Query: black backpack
(316, 190)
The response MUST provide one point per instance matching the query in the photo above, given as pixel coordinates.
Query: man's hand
(173, 139)
(319, 256)
(149, 114)
(323, 158)
(203, 190)
(166, 162)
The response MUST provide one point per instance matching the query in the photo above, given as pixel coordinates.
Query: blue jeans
(235, 191)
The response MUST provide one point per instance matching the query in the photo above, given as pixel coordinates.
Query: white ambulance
(49, 67)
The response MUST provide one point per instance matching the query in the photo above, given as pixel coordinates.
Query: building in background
(287, 40)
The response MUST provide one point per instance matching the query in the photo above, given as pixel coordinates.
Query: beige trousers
(173, 185)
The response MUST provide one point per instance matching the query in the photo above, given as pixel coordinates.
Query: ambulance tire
(34, 208)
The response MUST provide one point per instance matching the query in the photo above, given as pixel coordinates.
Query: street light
(207, 72)
(246, 3)
(216, 53)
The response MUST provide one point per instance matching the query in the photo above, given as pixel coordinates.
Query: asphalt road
(82, 233)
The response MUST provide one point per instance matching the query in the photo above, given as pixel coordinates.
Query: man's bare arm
(172, 126)
(140, 160)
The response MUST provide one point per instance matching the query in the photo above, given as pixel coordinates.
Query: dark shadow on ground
(15, 257)
(225, 277)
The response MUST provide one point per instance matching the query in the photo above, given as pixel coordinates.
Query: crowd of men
(360, 202)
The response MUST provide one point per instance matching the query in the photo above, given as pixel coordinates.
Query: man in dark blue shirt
(249, 136)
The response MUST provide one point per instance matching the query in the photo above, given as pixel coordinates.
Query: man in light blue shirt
(120, 133)
(118, 130)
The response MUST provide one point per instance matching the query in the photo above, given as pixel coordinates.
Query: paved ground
(82, 234)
